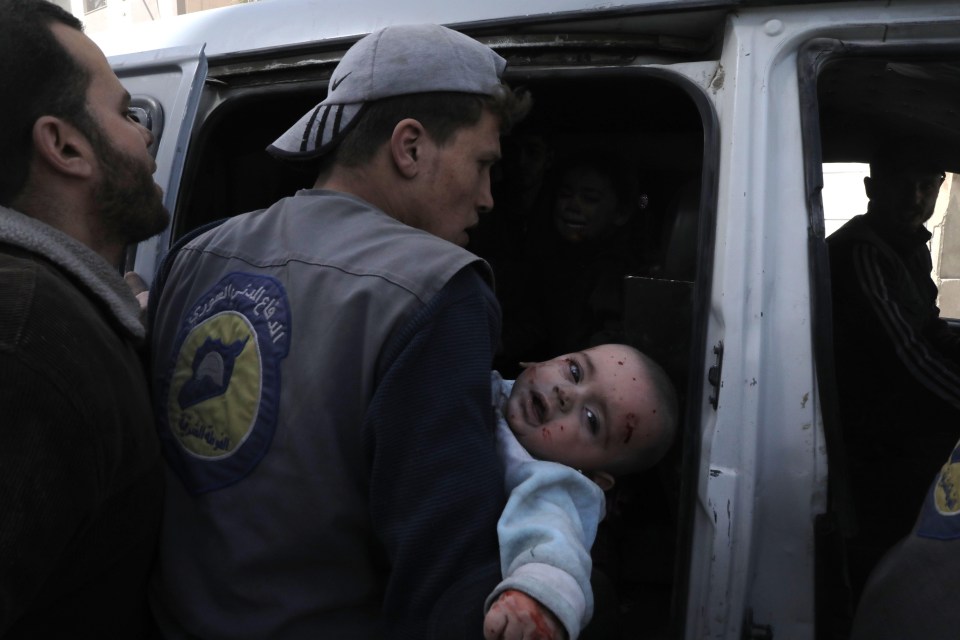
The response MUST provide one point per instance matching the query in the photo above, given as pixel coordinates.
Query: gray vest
(267, 346)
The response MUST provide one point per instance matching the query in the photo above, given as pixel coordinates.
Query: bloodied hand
(517, 616)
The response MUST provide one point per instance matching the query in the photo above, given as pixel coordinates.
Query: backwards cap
(393, 61)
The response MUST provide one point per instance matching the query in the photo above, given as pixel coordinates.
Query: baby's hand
(517, 616)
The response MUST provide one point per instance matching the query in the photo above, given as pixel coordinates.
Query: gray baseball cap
(393, 61)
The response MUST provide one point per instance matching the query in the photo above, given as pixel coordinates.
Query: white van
(728, 111)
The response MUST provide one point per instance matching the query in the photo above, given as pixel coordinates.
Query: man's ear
(868, 187)
(62, 147)
(406, 146)
(602, 479)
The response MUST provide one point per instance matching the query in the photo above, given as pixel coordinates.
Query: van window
(612, 138)
(843, 194)
(945, 247)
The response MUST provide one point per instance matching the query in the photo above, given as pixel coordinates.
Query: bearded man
(81, 481)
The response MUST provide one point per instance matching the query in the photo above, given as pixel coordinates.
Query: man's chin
(162, 221)
(152, 224)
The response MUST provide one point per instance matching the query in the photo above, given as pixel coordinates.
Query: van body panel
(768, 428)
(288, 23)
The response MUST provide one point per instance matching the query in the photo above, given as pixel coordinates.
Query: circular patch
(221, 392)
(946, 492)
(215, 389)
(937, 516)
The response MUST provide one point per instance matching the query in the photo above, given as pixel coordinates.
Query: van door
(165, 88)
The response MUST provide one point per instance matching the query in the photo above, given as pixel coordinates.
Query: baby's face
(586, 410)
(586, 206)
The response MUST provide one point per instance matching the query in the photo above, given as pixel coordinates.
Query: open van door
(165, 88)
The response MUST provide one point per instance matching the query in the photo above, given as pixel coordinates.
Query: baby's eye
(575, 370)
(132, 115)
(592, 422)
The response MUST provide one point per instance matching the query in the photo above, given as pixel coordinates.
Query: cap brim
(317, 132)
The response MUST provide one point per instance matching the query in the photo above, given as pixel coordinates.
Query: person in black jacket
(897, 361)
(81, 477)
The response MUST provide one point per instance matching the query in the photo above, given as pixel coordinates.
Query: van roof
(248, 27)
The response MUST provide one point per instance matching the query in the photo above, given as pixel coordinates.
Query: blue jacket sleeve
(436, 486)
(546, 531)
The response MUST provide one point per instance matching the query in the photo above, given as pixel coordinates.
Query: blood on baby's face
(587, 410)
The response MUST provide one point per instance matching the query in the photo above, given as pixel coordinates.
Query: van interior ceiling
(655, 133)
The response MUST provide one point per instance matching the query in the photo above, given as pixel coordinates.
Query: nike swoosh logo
(336, 83)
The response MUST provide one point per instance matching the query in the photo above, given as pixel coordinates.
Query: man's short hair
(441, 114)
(39, 77)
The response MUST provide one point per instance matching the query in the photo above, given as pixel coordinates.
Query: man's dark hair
(39, 77)
(442, 114)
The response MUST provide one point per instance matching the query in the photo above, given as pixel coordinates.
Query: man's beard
(129, 202)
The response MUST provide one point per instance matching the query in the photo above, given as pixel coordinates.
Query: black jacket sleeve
(436, 487)
(48, 482)
(922, 341)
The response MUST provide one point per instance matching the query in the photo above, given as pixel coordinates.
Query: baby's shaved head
(661, 425)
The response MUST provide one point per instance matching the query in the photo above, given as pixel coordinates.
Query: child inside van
(565, 428)
(566, 292)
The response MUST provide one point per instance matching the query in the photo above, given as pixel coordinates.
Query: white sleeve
(546, 531)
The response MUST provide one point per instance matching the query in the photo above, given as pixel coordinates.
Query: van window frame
(833, 602)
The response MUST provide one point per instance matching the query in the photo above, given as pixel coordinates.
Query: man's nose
(485, 202)
(147, 135)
